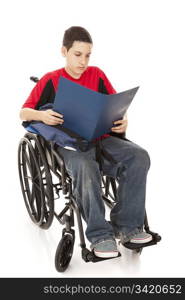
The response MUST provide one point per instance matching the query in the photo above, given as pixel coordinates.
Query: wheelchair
(43, 177)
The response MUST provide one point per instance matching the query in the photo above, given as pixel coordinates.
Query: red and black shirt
(44, 91)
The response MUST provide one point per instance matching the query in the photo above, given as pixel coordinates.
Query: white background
(135, 43)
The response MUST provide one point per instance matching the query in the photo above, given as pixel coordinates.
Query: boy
(132, 162)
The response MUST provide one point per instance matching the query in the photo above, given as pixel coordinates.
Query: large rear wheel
(36, 181)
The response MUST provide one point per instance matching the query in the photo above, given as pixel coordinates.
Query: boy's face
(77, 58)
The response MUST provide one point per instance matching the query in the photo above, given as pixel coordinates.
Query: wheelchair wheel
(36, 182)
(64, 252)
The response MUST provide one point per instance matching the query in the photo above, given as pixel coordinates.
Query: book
(89, 113)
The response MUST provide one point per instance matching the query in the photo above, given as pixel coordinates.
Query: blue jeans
(130, 170)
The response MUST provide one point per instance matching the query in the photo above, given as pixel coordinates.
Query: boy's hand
(51, 117)
(121, 126)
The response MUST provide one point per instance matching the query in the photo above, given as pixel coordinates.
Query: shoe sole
(141, 241)
(106, 254)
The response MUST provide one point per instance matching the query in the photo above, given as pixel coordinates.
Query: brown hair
(76, 33)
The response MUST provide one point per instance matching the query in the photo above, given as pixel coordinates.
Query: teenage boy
(132, 161)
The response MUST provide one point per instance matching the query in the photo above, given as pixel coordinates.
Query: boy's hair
(76, 33)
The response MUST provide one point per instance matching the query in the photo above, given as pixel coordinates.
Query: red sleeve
(107, 83)
(36, 93)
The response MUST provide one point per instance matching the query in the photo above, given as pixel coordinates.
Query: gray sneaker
(105, 249)
(141, 238)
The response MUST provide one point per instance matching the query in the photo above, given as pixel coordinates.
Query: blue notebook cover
(89, 113)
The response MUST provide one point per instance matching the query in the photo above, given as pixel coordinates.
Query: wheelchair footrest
(96, 258)
(133, 246)
(88, 256)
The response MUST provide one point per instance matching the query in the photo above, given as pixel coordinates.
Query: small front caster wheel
(64, 252)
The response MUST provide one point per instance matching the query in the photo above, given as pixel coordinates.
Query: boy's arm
(30, 114)
(48, 116)
(42, 93)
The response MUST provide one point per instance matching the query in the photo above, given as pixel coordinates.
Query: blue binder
(88, 113)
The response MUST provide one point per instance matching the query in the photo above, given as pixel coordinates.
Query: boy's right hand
(51, 117)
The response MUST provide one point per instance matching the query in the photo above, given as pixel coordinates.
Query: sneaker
(141, 238)
(106, 249)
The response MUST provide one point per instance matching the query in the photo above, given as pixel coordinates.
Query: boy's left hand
(121, 126)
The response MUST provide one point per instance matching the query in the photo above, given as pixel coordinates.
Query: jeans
(130, 170)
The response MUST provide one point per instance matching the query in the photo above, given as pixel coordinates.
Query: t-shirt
(45, 89)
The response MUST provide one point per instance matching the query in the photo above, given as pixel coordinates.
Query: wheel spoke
(31, 202)
(25, 155)
(37, 186)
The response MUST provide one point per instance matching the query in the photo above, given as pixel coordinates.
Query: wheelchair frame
(39, 164)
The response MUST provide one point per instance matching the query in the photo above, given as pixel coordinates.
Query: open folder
(88, 113)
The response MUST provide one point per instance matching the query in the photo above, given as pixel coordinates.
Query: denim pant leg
(131, 172)
(86, 179)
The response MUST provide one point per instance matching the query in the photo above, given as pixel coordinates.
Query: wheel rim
(35, 182)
